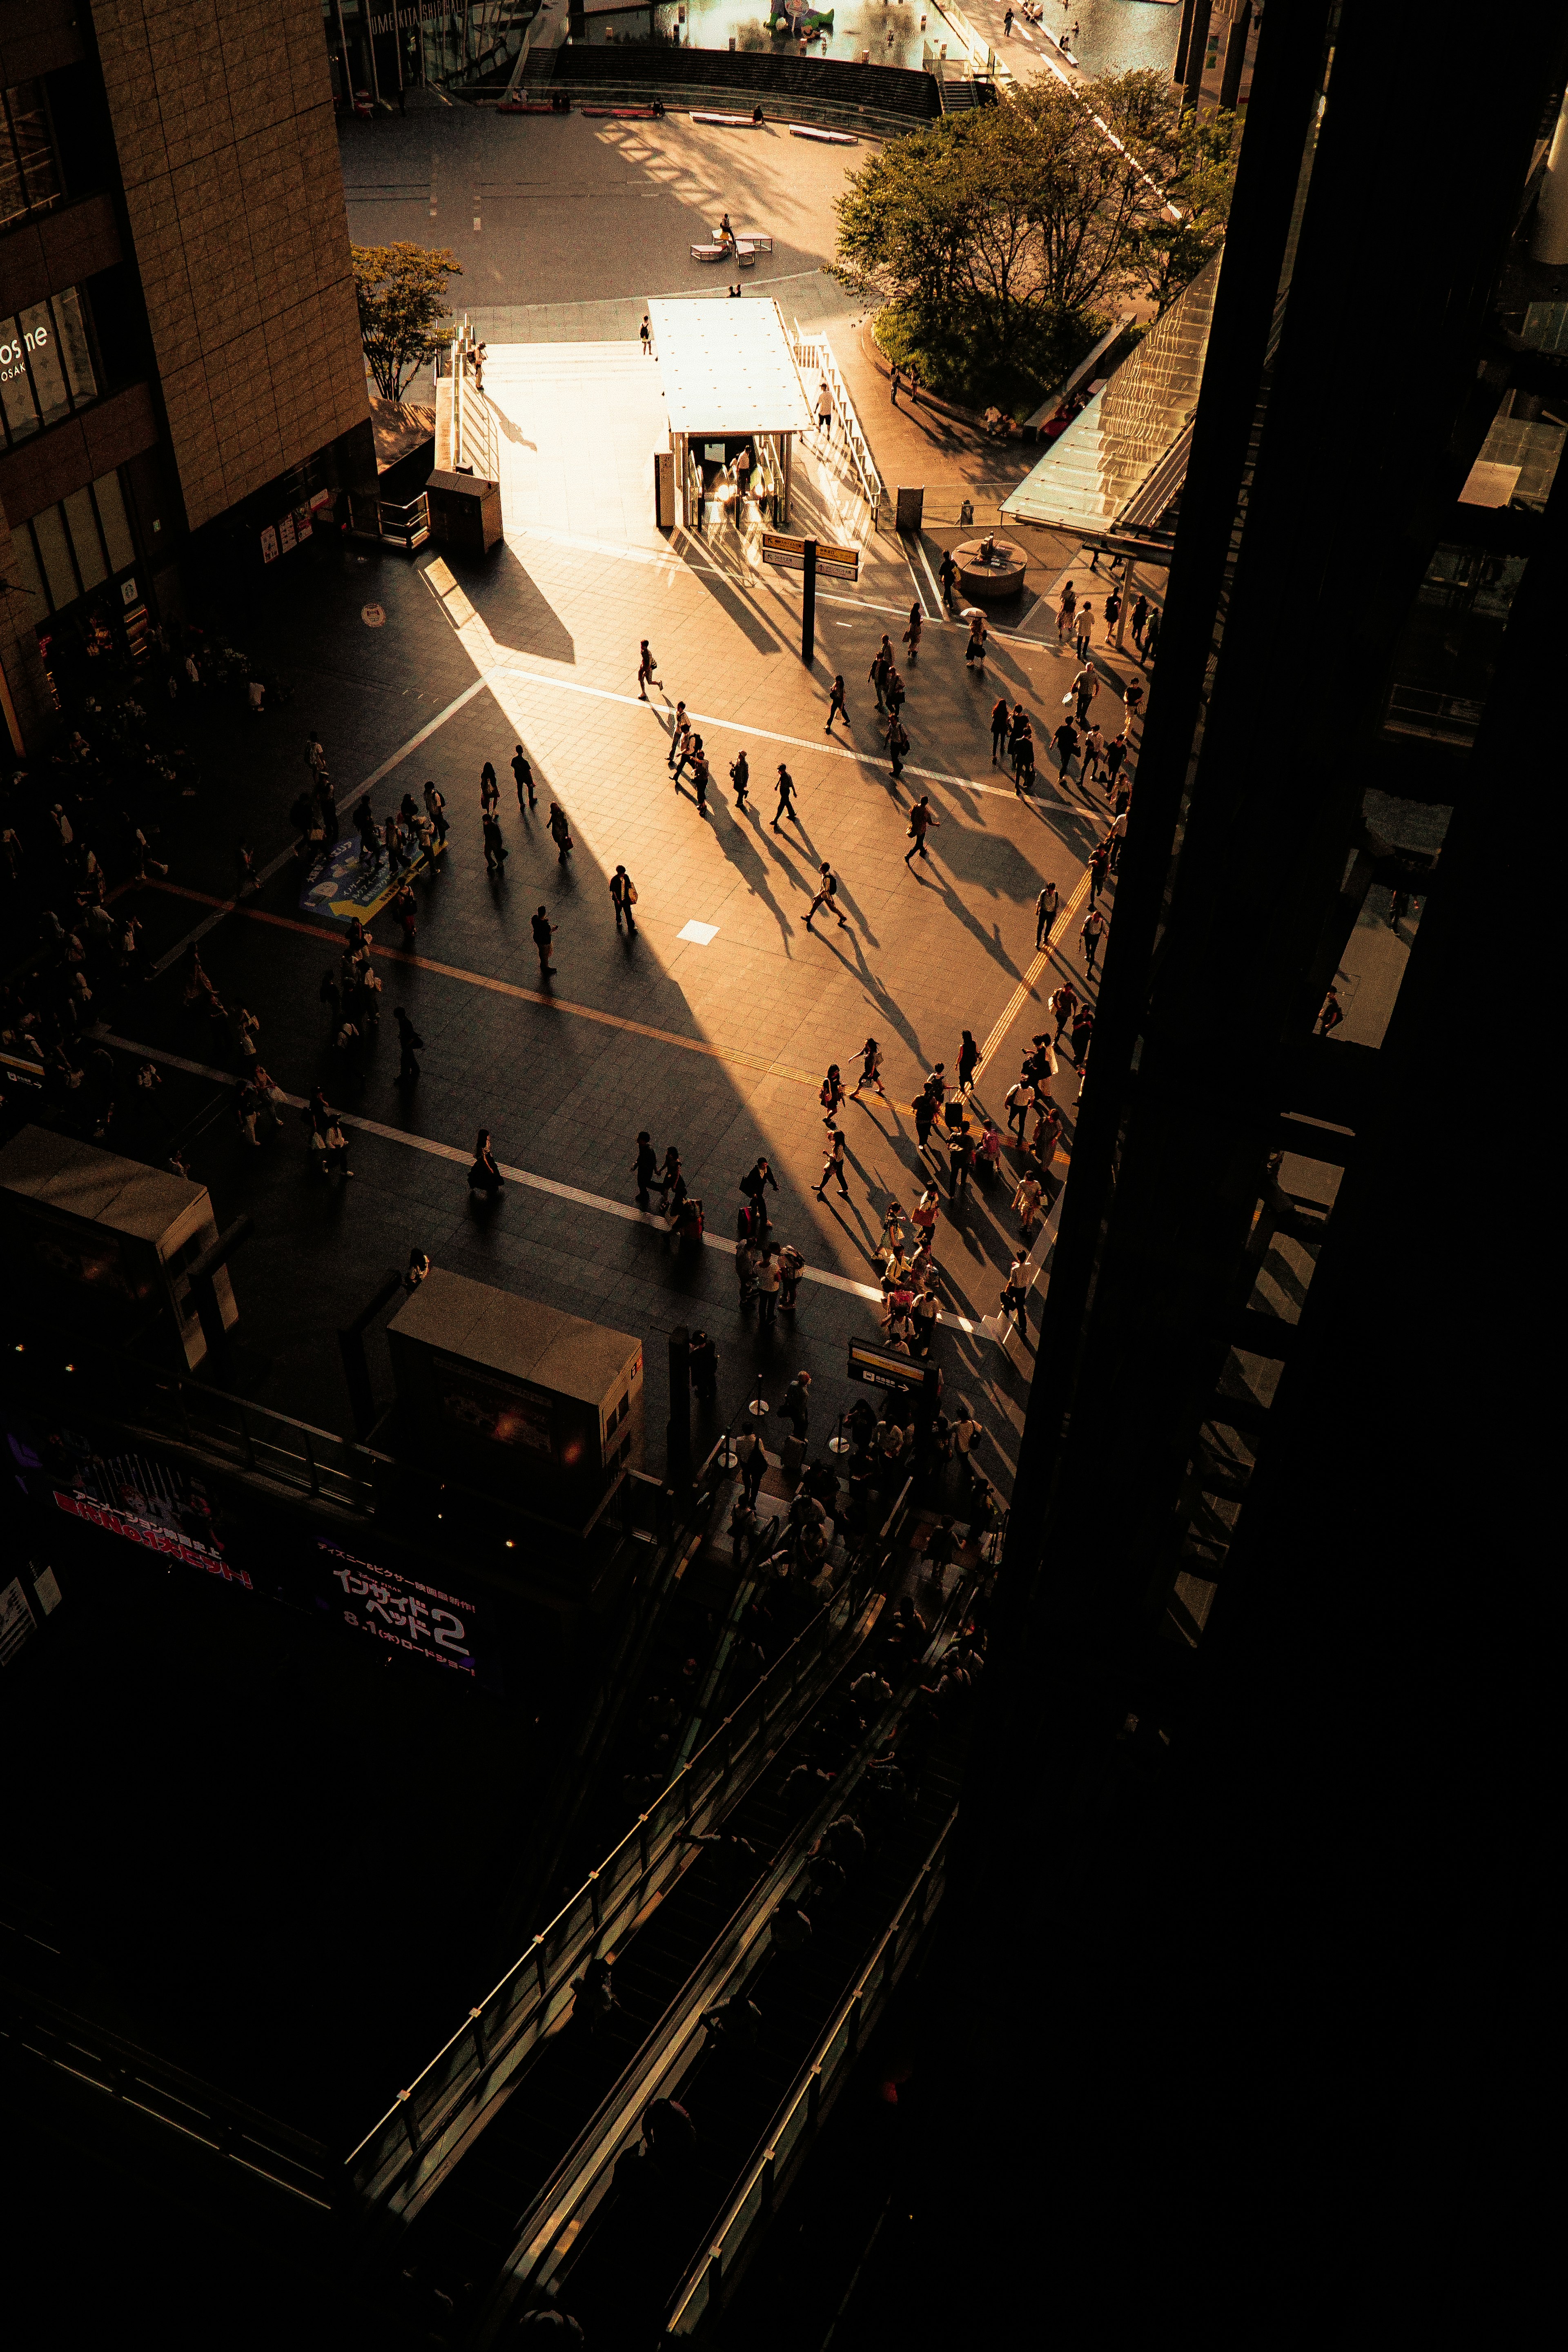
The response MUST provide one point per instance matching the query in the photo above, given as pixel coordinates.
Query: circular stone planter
(990, 569)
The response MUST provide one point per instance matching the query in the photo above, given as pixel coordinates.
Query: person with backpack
(624, 897)
(826, 896)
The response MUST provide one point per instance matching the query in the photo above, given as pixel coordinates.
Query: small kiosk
(735, 401)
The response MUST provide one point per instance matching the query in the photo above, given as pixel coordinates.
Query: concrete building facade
(179, 346)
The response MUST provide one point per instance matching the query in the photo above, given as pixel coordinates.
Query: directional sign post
(810, 558)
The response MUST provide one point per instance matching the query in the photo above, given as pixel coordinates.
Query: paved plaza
(713, 1026)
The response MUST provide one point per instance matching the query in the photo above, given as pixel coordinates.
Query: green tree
(401, 291)
(1170, 251)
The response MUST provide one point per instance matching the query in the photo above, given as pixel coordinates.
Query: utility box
(524, 1402)
(104, 1241)
(911, 507)
(664, 489)
(465, 512)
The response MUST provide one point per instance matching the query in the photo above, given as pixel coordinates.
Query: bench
(746, 249)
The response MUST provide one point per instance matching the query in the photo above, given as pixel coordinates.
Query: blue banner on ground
(343, 886)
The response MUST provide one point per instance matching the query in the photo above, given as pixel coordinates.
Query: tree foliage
(1002, 228)
(401, 291)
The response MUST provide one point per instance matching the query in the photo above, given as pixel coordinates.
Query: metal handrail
(412, 2143)
(803, 2109)
(554, 2223)
(814, 354)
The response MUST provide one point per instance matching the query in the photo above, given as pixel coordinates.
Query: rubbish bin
(664, 489)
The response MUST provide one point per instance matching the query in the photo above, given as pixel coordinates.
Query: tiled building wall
(222, 119)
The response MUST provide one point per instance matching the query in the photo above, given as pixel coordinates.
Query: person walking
(787, 797)
(946, 575)
(1099, 868)
(1027, 1207)
(1048, 906)
(1093, 753)
(645, 1167)
(897, 742)
(1116, 838)
(826, 896)
(1066, 607)
(968, 1061)
(1083, 622)
(740, 776)
(753, 1464)
(1082, 1036)
(436, 809)
(1063, 1003)
(1065, 742)
(495, 846)
(974, 651)
(1332, 1014)
(912, 634)
(831, 1094)
(1001, 723)
(1139, 621)
(624, 898)
(922, 816)
(825, 411)
(1015, 1292)
(489, 791)
(836, 707)
(686, 743)
(543, 931)
(409, 1042)
(870, 1070)
(1115, 757)
(522, 777)
(335, 1148)
(1092, 932)
(833, 1164)
(485, 1175)
(1150, 638)
(897, 379)
(560, 832)
(754, 1185)
(1084, 688)
(645, 336)
(699, 775)
(1018, 1103)
(645, 670)
(768, 1281)
(877, 676)
(679, 732)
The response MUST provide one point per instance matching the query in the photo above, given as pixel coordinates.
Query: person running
(560, 832)
(1048, 906)
(1001, 723)
(624, 898)
(870, 1070)
(646, 667)
(1092, 932)
(543, 931)
(787, 797)
(826, 896)
(912, 634)
(833, 1164)
(740, 776)
(922, 816)
(837, 708)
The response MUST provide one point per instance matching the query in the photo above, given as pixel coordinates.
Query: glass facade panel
(112, 515)
(29, 181)
(41, 345)
(38, 601)
(53, 550)
(83, 526)
(46, 365)
(76, 351)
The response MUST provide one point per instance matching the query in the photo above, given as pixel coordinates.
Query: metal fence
(400, 2160)
(814, 357)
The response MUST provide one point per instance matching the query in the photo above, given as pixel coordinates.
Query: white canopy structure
(729, 378)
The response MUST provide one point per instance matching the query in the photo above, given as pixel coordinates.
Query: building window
(46, 365)
(29, 178)
(67, 549)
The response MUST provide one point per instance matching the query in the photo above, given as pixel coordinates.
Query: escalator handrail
(576, 2190)
(405, 2152)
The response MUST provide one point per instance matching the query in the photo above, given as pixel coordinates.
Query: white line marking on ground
(523, 1176)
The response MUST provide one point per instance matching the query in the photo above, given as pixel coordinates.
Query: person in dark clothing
(485, 1175)
(409, 1042)
(704, 1360)
(543, 931)
(755, 1185)
(968, 1062)
(560, 831)
(645, 1167)
(524, 774)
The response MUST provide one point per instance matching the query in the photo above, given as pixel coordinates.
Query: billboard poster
(368, 1598)
(149, 1501)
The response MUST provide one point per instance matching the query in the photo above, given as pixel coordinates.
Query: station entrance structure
(734, 399)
